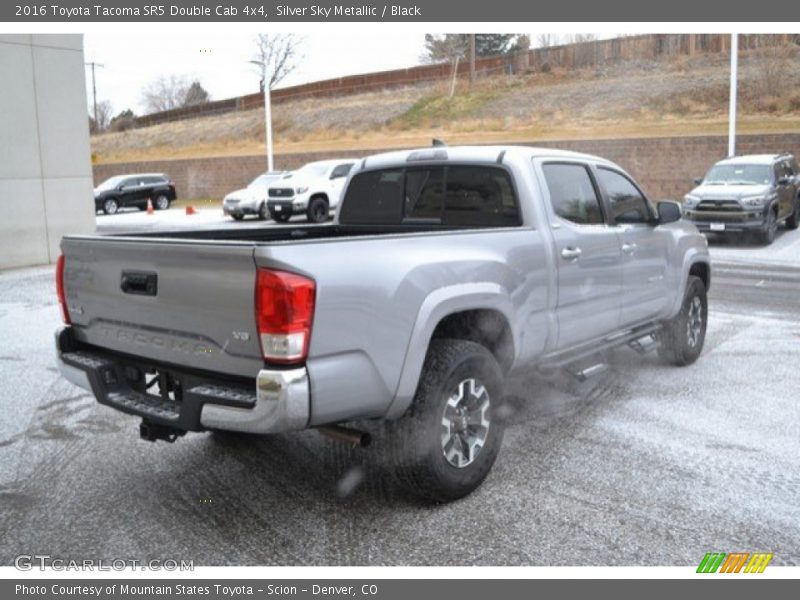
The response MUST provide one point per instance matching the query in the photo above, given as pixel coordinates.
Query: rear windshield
(455, 195)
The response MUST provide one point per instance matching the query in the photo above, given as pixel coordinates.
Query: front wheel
(237, 217)
(444, 446)
(317, 211)
(683, 337)
(110, 206)
(767, 235)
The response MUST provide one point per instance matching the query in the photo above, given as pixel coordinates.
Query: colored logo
(736, 562)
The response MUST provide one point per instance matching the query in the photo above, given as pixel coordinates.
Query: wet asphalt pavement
(644, 465)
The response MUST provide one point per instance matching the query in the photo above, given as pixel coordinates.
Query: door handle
(571, 253)
(629, 248)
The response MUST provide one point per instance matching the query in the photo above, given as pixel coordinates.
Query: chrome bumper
(283, 403)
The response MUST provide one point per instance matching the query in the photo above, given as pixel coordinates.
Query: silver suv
(747, 194)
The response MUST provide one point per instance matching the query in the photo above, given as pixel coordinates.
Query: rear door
(587, 253)
(645, 248)
(186, 303)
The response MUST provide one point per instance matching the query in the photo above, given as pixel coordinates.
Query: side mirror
(669, 211)
(697, 180)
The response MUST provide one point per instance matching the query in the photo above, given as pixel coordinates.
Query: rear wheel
(317, 211)
(110, 206)
(444, 446)
(683, 337)
(162, 202)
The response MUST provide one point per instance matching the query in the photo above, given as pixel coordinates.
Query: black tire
(317, 211)
(161, 202)
(237, 217)
(263, 212)
(794, 219)
(279, 217)
(416, 441)
(683, 337)
(767, 235)
(111, 206)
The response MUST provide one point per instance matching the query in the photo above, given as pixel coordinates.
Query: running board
(644, 344)
(563, 360)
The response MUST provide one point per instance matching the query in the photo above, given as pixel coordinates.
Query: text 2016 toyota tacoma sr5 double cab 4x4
(444, 270)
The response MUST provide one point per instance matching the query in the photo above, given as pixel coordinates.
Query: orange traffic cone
(150, 210)
(190, 210)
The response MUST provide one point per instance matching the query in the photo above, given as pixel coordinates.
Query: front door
(645, 248)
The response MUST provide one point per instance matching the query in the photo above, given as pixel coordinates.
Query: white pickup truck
(314, 190)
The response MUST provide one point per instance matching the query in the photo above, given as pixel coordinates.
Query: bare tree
(172, 91)
(103, 116)
(165, 93)
(578, 38)
(546, 40)
(280, 52)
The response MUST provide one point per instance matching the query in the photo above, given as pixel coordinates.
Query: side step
(642, 339)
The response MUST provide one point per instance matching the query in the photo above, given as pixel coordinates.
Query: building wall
(45, 163)
(664, 166)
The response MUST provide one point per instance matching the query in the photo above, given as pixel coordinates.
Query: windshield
(738, 175)
(313, 170)
(110, 183)
(263, 180)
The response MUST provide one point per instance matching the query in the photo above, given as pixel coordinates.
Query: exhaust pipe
(352, 437)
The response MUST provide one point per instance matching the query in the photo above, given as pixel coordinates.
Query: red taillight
(284, 310)
(62, 299)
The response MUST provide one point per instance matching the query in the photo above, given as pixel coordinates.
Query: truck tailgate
(179, 302)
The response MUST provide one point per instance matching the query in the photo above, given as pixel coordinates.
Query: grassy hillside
(639, 98)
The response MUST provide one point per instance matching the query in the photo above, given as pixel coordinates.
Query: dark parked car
(747, 194)
(134, 190)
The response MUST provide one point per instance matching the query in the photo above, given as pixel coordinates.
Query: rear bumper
(276, 401)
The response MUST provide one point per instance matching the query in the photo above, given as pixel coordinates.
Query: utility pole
(94, 89)
(732, 106)
(471, 57)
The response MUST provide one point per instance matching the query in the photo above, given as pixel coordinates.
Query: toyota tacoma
(445, 270)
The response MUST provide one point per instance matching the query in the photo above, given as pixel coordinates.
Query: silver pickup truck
(445, 270)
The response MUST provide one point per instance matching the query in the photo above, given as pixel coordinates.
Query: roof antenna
(437, 143)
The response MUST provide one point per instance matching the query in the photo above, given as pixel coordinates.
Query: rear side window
(628, 205)
(466, 196)
(572, 193)
(374, 198)
(341, 170)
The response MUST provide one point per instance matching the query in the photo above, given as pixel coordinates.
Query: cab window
(628, 204)
(572, 193)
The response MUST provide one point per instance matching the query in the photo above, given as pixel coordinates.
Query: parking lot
(644, 465)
